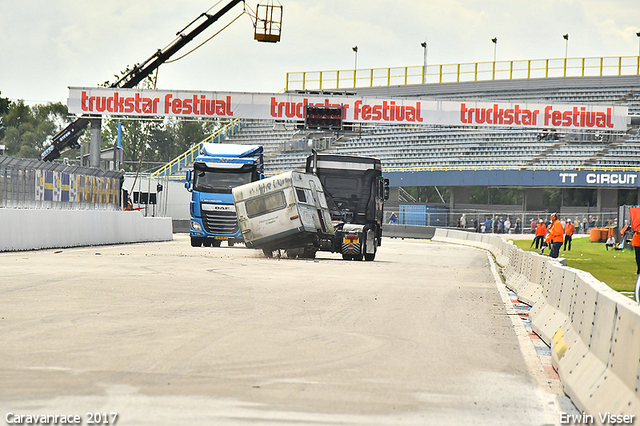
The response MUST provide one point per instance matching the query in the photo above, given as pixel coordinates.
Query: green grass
(617, 269)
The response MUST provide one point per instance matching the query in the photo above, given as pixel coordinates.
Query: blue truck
(218, 169)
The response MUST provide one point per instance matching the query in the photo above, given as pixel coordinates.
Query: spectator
(555, 236)
(518, 226)
(635, 243)
(541, 231)
(393, 219)
(487, 225)
(585, 225)
(569, 229)
(610, 242)
(507, 226)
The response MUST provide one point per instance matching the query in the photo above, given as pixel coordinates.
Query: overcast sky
(48, 45)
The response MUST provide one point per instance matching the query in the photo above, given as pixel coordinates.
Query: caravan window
(265, 204)
(301, 195)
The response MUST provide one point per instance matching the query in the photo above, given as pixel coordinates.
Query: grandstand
(460, 157)
(408, 147)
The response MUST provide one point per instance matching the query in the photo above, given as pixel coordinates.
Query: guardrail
(175, 165)
(472, 71)
(592, 330)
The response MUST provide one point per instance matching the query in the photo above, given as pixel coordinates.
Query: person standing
(569, 229)
(555, 236)
(393, 219)
(635, 243)
(541, 231)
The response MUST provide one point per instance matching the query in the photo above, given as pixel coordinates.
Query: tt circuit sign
(289, 106)
(515, 178)
(598, 179)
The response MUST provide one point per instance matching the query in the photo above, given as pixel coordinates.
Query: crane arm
(67, 137)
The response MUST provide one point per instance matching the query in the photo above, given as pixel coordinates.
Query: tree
(4, 108)
(27, 130)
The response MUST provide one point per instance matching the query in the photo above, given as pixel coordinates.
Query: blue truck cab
(218, 169)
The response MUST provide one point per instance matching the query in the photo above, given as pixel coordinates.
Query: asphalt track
(167, 334)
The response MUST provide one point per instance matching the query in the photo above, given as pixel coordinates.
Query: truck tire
(196, 242)
(206, 243)
(369, 257)
(216, 243)
(309, 253)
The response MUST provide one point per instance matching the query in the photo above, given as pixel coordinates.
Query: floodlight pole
(424, 66)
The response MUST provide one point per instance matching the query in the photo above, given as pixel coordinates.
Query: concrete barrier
(593, 331)
(408, 231)
(29, 229)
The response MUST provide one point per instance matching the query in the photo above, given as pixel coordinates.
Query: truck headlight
(195, 226)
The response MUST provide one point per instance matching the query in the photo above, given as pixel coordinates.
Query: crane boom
(67, 137)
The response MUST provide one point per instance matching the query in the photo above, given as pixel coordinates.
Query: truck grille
(220, 222)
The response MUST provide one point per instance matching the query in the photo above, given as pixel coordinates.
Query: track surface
(167, 334)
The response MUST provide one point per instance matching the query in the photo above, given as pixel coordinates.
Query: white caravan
(288, 211)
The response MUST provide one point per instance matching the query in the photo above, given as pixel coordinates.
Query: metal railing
(473, 71)
(28, 183)
(520, 221)
(171, 169)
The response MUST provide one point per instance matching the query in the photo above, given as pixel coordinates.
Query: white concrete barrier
(593, 331)
(29, 229)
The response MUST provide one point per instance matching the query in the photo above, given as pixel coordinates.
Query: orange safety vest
(541, 230)
(556, 235)
(635, 241)
(569, 229)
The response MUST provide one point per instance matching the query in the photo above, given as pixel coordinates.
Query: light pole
(495, 47)
(424, 66)
(566, 51)
(355, 64)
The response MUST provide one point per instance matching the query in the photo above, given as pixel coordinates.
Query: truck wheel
(370, 256)
(309, 254)
(216, 243)
(267, 252)
(347, 257)
(230, 243)
(206, 243)
(196, 242)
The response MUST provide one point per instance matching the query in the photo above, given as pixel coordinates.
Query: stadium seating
(415, 147)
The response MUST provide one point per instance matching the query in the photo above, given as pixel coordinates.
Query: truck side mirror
(386, 189)
(187, 184)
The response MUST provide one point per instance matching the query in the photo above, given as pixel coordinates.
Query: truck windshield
(220, 181)
(349, 190)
